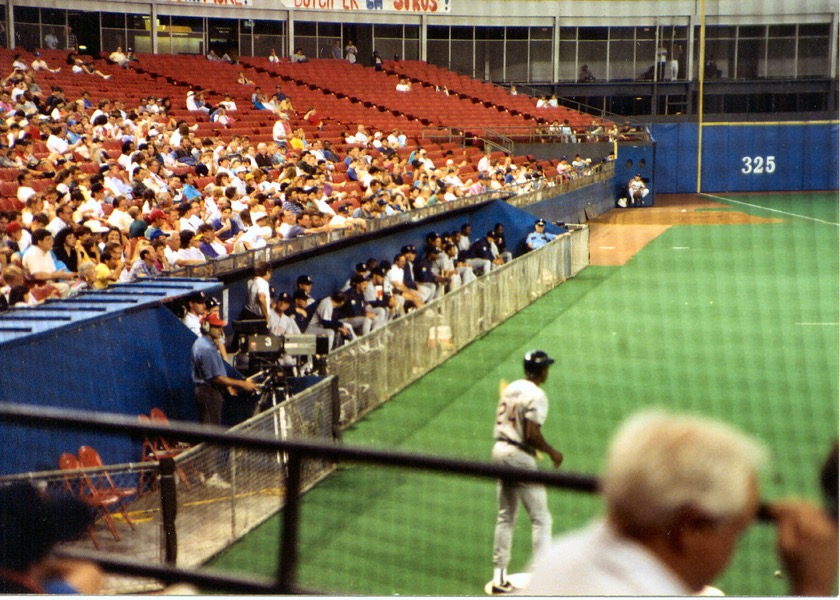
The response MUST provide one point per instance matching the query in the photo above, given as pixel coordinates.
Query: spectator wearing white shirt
(190, 250)
(25, 190)
(119, 217)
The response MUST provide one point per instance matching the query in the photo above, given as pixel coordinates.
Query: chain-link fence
(372, 369)
(220, 495)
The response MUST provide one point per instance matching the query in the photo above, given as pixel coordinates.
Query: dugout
(114, 350)
(330, 275)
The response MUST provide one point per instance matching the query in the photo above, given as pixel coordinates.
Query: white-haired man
(680, 491)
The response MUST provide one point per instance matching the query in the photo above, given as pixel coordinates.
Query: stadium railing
(519, 195)
(278, 468)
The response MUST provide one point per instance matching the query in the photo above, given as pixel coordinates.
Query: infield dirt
(617, 235)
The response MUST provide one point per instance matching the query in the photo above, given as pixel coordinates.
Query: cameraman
(208, 371)
(209, 376)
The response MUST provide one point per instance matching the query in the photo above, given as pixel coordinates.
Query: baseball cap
(13, 226)
(258, 215)
(300, 295)
(304, 280)
(362, 267)
(408, 248)
(213, 319)
(357, 278)
(540, 222)
(283, 297)
(157, 214)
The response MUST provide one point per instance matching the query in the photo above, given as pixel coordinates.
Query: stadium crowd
(109, 192)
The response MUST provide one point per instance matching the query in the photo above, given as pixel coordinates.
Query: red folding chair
(156, 449)
(99, 502)
(102, 485)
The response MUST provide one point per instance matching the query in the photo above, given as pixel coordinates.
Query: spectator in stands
(63, 218)
(212, 56)
(272, 56)
(108, 270)
(195, 102)
(40, 266)
(190, 252)
(67, 249)
(209, 245)
(376, 61)
(119, 58)
(138, 226)
(145, 266)
(156, 221)
(281, 131)
(585, 75)
(299, 56)
(243, 80)
(680, 491)
(39, 64)
(567, 135)
(79, 66)
(404, 85)
(351, 52)
(228, 229)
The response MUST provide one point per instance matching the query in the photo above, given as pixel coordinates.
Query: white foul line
(781, 212)
(820, 324)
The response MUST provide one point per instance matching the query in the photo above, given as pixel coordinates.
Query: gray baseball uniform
(520, 401)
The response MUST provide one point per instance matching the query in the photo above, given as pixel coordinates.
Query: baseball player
(538, 238)
(638, 191)
(522, 410)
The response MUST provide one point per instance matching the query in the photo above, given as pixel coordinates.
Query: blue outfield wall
(747, 157)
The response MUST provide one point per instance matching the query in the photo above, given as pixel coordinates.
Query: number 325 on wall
(758, 165)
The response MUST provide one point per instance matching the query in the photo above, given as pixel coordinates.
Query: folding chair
(156, 449)
(68, 462)
(102, 485)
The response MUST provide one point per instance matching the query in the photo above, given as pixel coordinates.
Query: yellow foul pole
(702, 73)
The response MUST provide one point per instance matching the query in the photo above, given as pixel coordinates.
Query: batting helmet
(537, 360)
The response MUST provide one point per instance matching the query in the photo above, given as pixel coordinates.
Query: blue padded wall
(676, 164)
(125, 363)
(747, 157)
(330, 273)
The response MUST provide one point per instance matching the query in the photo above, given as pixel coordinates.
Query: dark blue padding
(330, 271)
(125, 360)
(735, 155)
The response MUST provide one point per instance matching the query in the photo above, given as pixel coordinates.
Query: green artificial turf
(739, 322)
